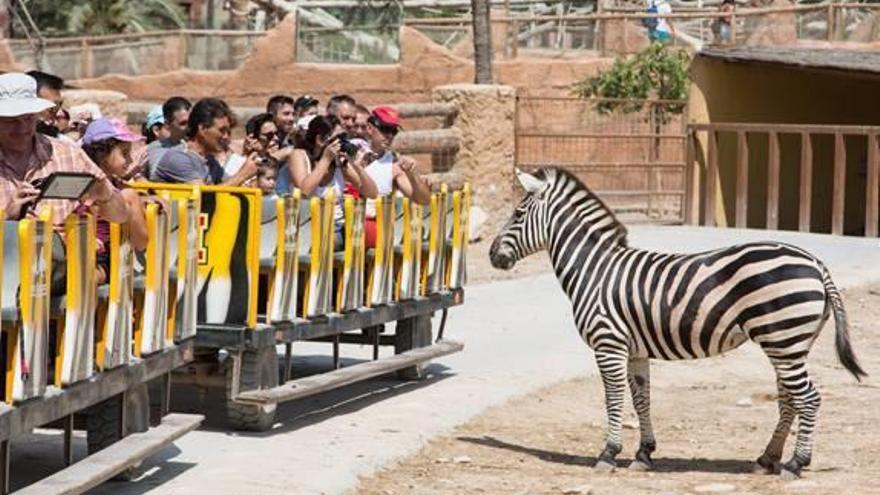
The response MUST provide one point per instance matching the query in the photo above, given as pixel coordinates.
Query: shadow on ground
(661, 465)
(310, 410)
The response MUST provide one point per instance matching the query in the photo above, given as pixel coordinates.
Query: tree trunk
(238, 12)
(482, 42)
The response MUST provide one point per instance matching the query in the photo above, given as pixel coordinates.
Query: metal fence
(633, 157)
(136, 54)
(622, 30)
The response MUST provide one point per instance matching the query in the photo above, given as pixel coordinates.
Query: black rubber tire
(259, 370)
(102, 423)
(410, 334)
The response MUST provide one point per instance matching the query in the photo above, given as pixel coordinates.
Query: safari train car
(79, 354)
(280, 269)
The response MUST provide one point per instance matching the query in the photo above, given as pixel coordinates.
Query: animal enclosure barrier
(633, 160)
(812, 178)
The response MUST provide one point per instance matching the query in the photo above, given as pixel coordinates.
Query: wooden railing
(703, 191)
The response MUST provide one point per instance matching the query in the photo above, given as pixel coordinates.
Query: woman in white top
(321, 167)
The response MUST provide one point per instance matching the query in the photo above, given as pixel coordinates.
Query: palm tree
(95, 17)
(482, 29)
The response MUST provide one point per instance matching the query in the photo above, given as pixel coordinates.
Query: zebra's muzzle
(499, 258)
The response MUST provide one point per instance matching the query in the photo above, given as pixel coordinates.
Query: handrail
(786, 128)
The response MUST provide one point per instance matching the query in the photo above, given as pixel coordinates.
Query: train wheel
(259, 370)
(102, 422)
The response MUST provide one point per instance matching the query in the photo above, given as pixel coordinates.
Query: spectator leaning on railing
(390, 171)
(26, 156)
(323, 166)
(108, 143)
(344, 109)
(304, 106)
(208, 134)
(175, 114)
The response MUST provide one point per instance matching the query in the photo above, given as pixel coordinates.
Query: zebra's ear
(529, 182)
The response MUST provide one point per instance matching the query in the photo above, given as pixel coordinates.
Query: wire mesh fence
(367, 34)
(632, 157)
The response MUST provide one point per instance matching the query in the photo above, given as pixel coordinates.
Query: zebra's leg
(640, 386)
(805, 400)
(612, 367)
(769, 460)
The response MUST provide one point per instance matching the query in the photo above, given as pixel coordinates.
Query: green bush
(657, 72)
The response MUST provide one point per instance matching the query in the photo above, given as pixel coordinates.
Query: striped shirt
(50, 155)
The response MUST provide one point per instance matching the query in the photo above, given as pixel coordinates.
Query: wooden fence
(703, 188)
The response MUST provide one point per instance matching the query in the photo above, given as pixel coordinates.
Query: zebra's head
(551, 196)
(525, 232)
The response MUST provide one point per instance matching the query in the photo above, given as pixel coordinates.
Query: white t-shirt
(381, 171)
(663, 7)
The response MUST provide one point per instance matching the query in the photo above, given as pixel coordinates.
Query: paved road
(519, 337)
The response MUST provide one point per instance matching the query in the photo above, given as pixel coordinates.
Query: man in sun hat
(26, 156)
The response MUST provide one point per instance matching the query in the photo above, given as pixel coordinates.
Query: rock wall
(485, 123)
(272, 69)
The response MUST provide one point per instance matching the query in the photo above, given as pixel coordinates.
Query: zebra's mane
(558, 177)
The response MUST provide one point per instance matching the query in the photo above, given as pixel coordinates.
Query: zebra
(632, 305)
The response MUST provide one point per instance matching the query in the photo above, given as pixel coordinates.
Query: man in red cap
(390, 171)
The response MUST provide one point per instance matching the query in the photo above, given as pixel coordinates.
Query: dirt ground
(712, 418)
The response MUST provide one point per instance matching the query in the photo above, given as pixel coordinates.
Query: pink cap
(104, 128)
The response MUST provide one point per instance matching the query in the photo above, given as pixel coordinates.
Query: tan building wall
(765, 93)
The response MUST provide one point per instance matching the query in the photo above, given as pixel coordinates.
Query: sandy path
(711, 417)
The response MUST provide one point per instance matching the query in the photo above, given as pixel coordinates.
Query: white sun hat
(18, 95)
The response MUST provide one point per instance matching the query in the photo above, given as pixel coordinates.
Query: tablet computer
(64, 185)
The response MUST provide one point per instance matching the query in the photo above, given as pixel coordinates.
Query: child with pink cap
(108, 143)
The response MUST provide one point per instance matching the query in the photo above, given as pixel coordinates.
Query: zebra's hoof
(787, 475)
(765, 465)
(639, 466)
(604, 467)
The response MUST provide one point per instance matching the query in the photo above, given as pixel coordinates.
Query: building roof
(805, 58)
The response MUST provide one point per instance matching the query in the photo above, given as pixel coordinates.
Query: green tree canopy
(656, 72)
(96, 17)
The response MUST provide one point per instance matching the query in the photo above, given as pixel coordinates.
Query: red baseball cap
(387, 116)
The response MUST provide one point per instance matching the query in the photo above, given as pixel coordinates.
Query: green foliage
(96, 17)
(656, 72)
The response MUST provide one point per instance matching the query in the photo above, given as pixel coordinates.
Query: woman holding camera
(327, 163)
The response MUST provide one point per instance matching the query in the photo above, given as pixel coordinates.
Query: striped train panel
(351, 289)
(434, 274)
(151, 330)
(114, 345)
(76, 345)
(409, 271)
(228, 253)
(318, 294)
(379, 285)
(282, 295)
(26, 251)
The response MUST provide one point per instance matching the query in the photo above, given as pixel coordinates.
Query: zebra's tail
(841, 340)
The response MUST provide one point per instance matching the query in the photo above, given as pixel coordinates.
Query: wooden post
(773, 181)
(742, 179)
(839, 191)
(87, 62)
(692, 180)
(514, 50)
(871, 194)
(5, 473)
(830, 23)
(68, 440)
(806, 188)
(711, 180)
(733, 28)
